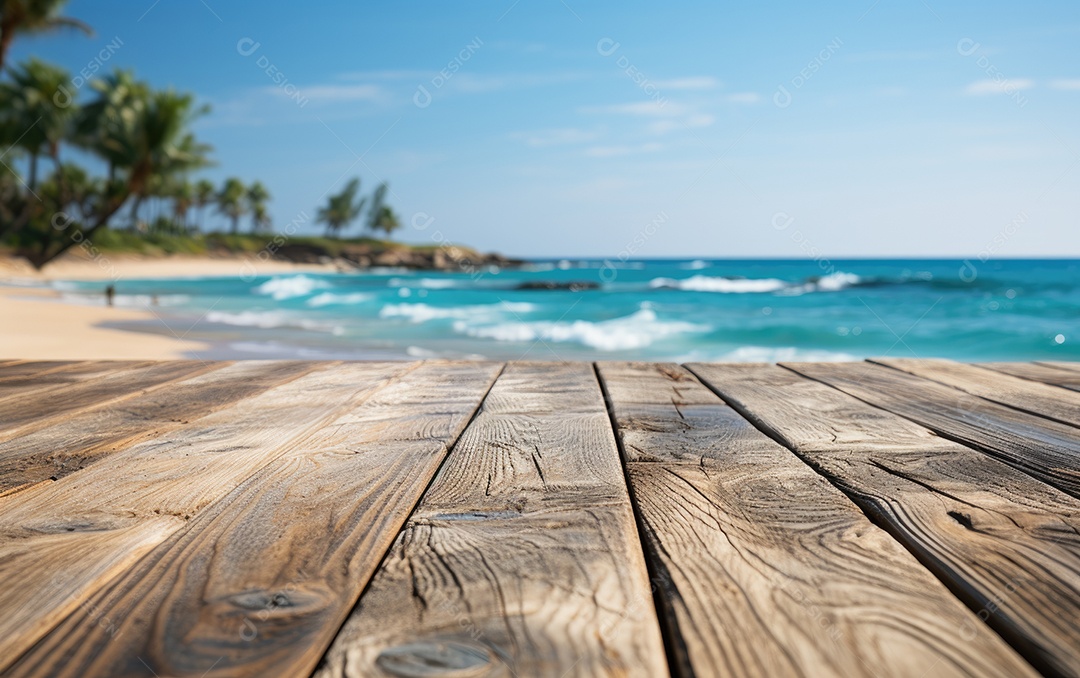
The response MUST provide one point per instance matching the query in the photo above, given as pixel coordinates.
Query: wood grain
(1006, 544)
(1042, 373)
(36, 378)
(63, 541)
(1065, 365)
(1038, 399)
(1045, 449)
(522, 558)
(768, 570)
(79, 439)
(21, 369)
(259, 583)
(35, 411)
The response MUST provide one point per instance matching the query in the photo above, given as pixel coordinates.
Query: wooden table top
(277, 518)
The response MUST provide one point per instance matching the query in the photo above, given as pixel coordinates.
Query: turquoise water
(741, 310)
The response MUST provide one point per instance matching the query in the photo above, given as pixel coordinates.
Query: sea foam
(638, 330)
(287, 287)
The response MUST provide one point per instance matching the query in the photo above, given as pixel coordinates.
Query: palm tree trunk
(7, 34)
(135, 212)
(45, 254)
(33, 171)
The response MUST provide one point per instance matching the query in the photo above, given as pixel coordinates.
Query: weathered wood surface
(37, 410)
(61, 542)
(25, 380)
(260, 582)
(1042, 373)
(1021, 394)
(1074, 366)
(1048, 450)
(1005, 543)
(77, 440)
(250, 519)
(766, 568)
(10, 370)
(522, 559)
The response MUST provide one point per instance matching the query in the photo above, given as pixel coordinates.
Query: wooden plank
(522, 558)
(1048, 450)
(765, 568)
(1038, 399)
(35, 411)
(1062, 364)
(80, 439)
(1042, 373)
(36, 382)
(1006, 544)
(21, 369)
(61, 542)
(261, 581)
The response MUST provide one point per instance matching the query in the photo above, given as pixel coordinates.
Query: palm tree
(387, 221)
(32, 16)
(376, 207)
(32, 117)
(257, 197)
(105, 123)
(341, 209)
(230, 201)
(32, 120)
(183, 197)
(204, 196)
(158, 144)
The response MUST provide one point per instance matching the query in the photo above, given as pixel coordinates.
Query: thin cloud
(556, 137)
(747, 98)
(678, 124)
(333, 93)
(474, 83)
(1006, 86)
(619, 151)
(910, 55)
(693, 82)
(1068, 85)
(650, 108)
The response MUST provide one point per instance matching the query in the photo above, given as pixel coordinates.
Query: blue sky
(551, 128)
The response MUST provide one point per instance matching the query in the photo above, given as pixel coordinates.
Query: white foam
(695, 265)
(331, 299)
(771, 354)
(834, 282)
(420, 313)
(837, 281)
(427, 283)
(287, 287)
(263, 319)
(703, 283)
(637, 330)
(150, 300)
(270, 320)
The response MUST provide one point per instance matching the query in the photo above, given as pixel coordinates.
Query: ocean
(678, 310)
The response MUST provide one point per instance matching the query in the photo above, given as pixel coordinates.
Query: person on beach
(110, 292)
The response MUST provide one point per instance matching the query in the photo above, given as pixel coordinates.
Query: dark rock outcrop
(359, 255)
(572, 286)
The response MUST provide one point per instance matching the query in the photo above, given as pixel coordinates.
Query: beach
(653, 310)
(39, 325)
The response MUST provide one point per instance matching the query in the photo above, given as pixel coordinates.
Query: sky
(877, 128)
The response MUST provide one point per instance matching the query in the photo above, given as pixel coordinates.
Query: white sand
(35, 324)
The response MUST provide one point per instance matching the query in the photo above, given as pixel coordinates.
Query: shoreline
(80, 267)
(39, 325)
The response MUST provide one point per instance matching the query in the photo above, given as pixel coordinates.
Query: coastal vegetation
(138, 160)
